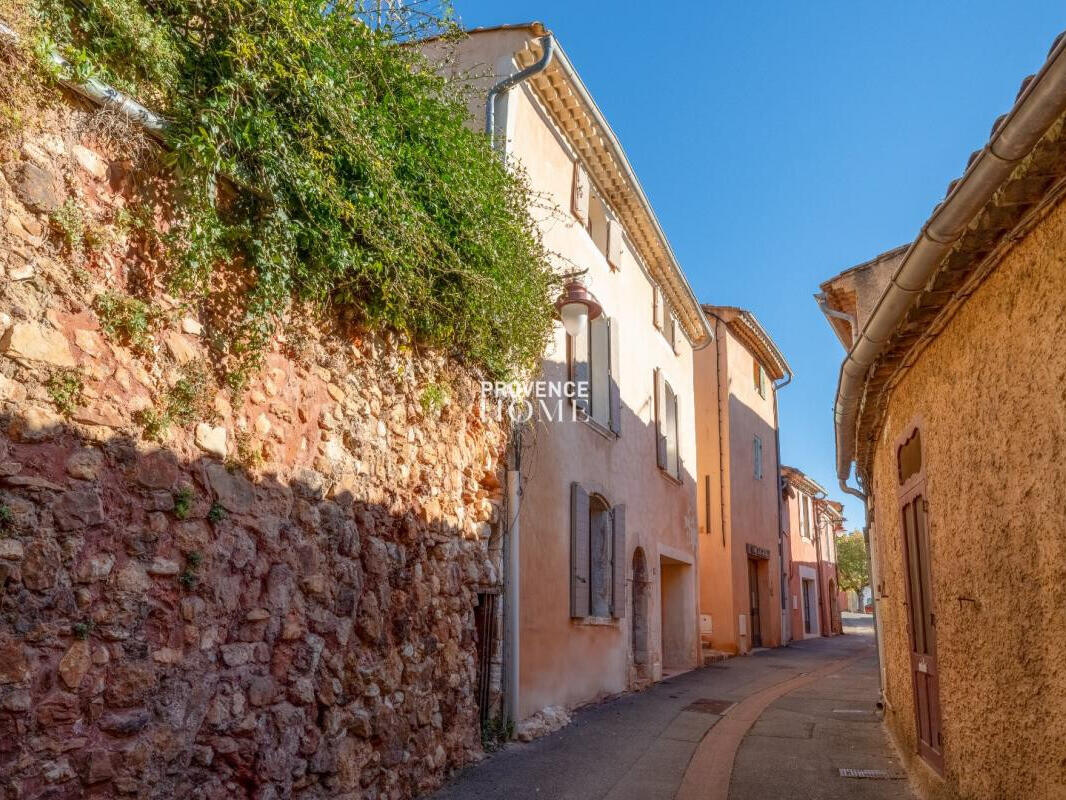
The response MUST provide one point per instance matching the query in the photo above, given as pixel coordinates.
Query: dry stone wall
(277, 598)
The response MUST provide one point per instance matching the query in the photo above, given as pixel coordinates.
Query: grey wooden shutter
(677, 436)
(579, 551)
(613, 352)
(618, 561)
(660, 434)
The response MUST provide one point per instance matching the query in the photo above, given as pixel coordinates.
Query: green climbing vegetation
(359, 185)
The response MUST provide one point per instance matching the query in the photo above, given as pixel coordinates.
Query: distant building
(742, 579)
(950, 411)
(812, 523)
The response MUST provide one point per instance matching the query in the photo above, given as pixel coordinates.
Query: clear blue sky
(783, 142)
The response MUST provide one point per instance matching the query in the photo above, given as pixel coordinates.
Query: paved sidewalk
(639, 746)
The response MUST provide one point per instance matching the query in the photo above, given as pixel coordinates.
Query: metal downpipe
(547, 44)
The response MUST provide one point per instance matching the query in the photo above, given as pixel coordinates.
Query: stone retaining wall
(275, 600)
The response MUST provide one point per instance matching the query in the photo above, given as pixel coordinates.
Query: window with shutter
(579, 201)
(657, 307)
(660, 437)
(593, 357)
(757, 456)
(615, 243)
(578, 356)
(619, 561)
(579, 551)
(614, 389)
(601, 540)
(599, 370)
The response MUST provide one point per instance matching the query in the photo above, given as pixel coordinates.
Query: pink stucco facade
(813, 584)
(641, 620)
(740, 534)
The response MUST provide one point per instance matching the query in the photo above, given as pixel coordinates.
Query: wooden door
(807, 585)
(921, 622)
(753, 591)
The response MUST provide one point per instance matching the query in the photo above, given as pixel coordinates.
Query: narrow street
(799, 715)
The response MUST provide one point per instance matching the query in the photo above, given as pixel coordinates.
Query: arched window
(597, 555)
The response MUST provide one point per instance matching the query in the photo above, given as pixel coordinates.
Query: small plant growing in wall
(217, 512)
(129, 321)
(495, 733)
(249, 453)
(65, 388)
(183, 502)
(186, 401)
(7, 519)
(434, 398)
(69, 223)
(189, 576)
(81, 630)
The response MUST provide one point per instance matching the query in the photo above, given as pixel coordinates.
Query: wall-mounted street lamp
(575, 307)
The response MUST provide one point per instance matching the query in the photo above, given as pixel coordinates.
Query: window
(597, 555)
(579, 199)
(593, 356)
(598, 222)
(756, 454)
(758, 375)
(664, 319)
(805, 520)
(670, 329)
(667, 451)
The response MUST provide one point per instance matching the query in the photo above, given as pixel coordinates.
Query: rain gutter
(620, 157)
(98, 92)
(1040, 103)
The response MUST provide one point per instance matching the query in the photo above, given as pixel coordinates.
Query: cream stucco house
(604, 578)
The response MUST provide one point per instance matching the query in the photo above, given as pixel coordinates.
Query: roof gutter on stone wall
(1040, 103)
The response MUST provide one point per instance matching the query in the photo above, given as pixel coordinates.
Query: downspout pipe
(547, 46)
(512, 533)
(780, 515)
(1040, 103)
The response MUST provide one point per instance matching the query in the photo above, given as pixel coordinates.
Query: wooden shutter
(660, 437)
(614, 352)
(578, 357)
(579, 551)
(618, 561)
(657, 307)
(676, 338)
(676, 466)
(615, 238)
(579, 200)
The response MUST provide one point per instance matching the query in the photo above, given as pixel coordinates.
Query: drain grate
(870, 774)
(706, 705)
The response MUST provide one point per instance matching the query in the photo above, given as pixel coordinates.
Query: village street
(801, 714)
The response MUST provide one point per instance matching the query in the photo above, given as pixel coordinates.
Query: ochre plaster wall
(726, 392)
(990, 398)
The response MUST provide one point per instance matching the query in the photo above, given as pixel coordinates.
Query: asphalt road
(802, 713)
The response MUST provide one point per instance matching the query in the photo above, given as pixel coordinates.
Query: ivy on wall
(361, 187)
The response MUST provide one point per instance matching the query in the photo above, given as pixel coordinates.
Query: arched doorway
(641, 665)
